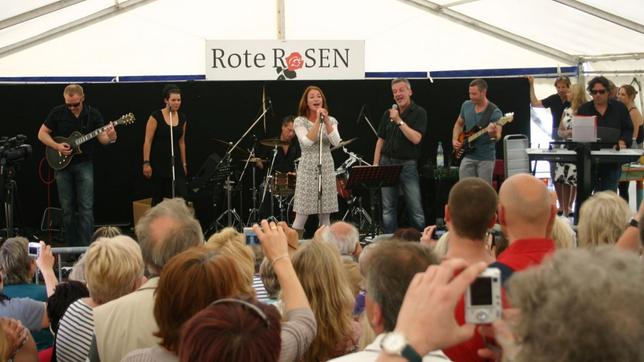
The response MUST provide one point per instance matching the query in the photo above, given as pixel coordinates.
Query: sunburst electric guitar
(466, 138)
(58, 161)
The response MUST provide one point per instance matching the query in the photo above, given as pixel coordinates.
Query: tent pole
(281, 22)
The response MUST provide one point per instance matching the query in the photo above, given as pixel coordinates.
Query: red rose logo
(294, 61)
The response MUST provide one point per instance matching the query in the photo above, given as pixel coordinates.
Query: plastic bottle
(440, 157)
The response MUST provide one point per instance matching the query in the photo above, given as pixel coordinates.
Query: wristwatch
(634, 223)
(396, 344)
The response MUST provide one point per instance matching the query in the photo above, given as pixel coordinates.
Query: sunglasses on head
(244, 303)
(72, 105)
(597, 91)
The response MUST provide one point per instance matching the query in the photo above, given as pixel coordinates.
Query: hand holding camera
(273, 240)
(45, 259)
(483, 298)
(430, 302)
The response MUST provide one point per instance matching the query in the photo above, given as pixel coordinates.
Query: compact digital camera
(483, 303)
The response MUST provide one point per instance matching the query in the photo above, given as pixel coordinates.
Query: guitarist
(76, 181)
(478, 113)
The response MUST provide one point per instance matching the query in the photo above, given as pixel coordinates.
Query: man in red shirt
(526, 215)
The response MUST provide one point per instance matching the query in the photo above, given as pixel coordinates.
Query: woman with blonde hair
(113, 268)
(602, 219)
(232, 243)
(566, 173)
(562, 233)
(320, 271)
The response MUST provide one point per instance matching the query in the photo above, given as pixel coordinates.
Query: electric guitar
(58, 161)
(467, 138)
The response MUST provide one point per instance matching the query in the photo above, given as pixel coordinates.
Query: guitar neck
(478, 134)
(87, 137)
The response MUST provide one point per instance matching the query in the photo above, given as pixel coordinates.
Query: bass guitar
(58, 161)
(467, 138)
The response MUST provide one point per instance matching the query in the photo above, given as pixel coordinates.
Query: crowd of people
(169, 294)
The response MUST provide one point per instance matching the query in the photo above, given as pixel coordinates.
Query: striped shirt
(75, 333)
(260, 290)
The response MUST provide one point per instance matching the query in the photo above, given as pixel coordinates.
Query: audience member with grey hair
(18, 270)
(128, 323)
(391, 267)
(606, 307)
(344, 236)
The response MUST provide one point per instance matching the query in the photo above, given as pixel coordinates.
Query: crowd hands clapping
(329, 298)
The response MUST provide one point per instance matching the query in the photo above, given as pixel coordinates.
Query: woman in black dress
(156, 147)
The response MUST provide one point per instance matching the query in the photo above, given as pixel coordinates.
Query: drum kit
(278, 188)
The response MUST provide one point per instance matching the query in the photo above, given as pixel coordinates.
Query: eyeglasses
(597, 91)
(72, 105)
(244, 303)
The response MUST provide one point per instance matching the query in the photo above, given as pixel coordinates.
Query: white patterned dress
(566, 173)
(306, 185)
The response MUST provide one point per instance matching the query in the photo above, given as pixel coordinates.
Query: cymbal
(343, 143)
(273, 142)
(237, 153)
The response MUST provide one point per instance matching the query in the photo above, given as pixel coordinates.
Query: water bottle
(440, 157)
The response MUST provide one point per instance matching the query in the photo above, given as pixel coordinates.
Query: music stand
(373, 178)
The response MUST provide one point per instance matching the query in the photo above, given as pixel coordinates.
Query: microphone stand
(370, 125)
(320, 169)
(172, 150)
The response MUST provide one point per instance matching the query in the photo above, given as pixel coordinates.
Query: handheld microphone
(321, 117)
(394, 106)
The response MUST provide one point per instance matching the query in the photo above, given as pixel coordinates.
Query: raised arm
(534, 101)
(274, 244)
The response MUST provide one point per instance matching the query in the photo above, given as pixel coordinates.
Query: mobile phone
(250, 236)
(438, 232)
(483, 298)
(33, 249)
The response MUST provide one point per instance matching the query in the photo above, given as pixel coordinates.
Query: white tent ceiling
(164, 37)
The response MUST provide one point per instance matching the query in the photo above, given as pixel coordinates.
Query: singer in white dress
(313, 114)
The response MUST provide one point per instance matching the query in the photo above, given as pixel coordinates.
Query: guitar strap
(85, 124)
(487, 114)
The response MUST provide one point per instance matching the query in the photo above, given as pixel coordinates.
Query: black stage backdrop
(223, 110)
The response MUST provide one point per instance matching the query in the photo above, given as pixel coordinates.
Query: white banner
(283, 60)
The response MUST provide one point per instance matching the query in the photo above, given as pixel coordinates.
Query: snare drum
(342, 176)
(341, 185)
(283, 184)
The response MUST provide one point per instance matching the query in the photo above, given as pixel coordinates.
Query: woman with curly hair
(320, 271)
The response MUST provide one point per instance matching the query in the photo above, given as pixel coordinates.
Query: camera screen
(33, 250)
(251, 237)
(481, 291)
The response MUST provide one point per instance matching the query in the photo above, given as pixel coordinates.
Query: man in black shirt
(609, 113)
(555, 102)
(76, 181)
(285, 158)
(399, 135)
